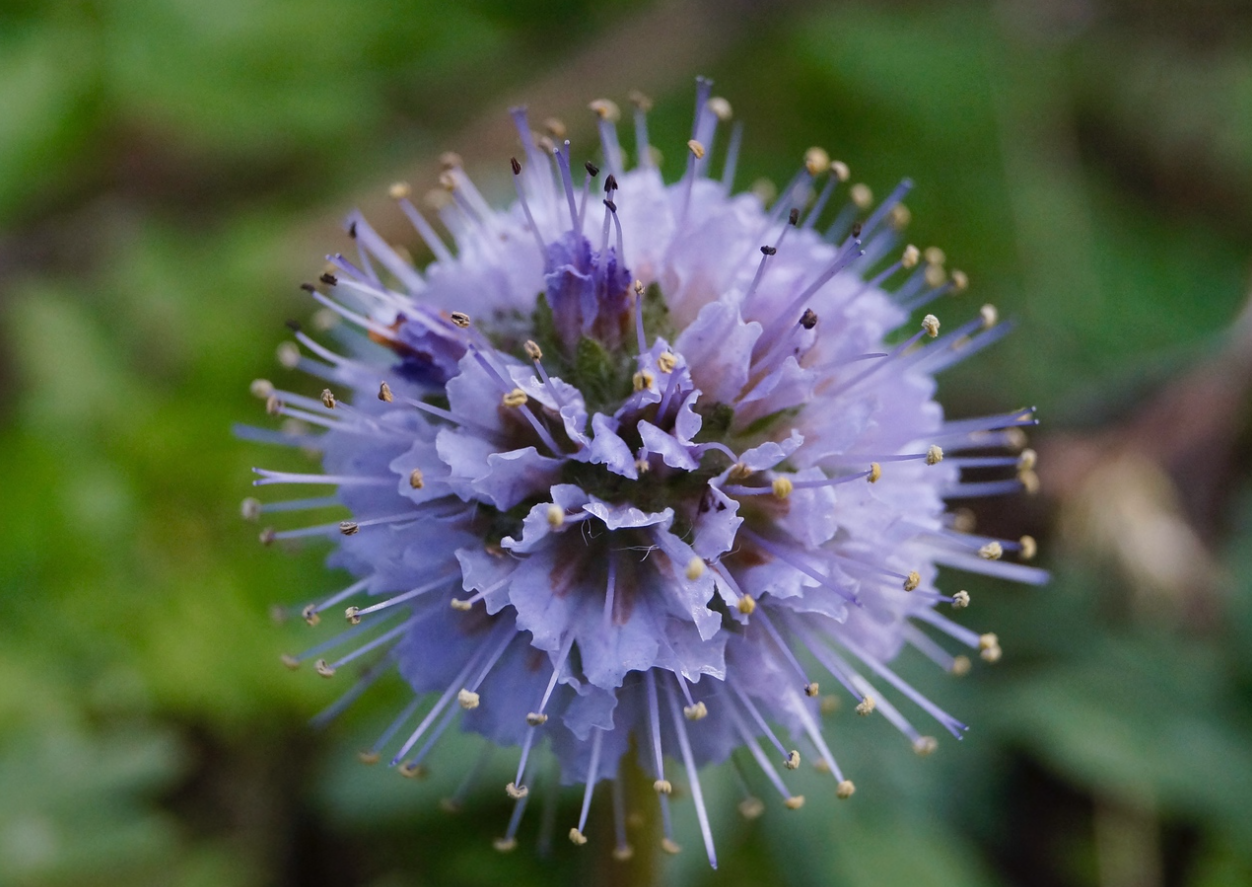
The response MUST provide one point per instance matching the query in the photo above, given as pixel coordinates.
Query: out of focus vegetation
(169, 170)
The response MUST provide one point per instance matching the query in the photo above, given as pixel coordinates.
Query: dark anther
(808, 319)
(611, 205)
(769, 250)
(610, 184)
(352, 230)
(592, 169)
(293, 325)
(329, 279)
(308, 287)
(856, 229)
(517, 167)
(794, 218)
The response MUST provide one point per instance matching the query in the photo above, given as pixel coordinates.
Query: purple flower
(649, 460)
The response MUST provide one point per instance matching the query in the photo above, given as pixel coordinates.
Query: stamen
(693, 777)
(593, 775)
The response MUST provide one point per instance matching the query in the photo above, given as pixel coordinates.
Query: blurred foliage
(161, 162)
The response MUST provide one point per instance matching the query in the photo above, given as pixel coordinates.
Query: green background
(170, 170)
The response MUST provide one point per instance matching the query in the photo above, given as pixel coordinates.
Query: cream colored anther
(934, 255)
(261, 388)
(533, 351)
(468, 699)
(935, 275)
(910, 257)
(816, 161)
(535, 719)
(662, 787)
(1029, 548)
(412, 770)
(328, 398)
(912, 580)
(504, 845)
(934, 454)
(384, 393)
(751, 808)
(416, 479)
(556, 515)
(324, 668)
(840, 170)
(353, 615)
(695, 568)
(515, 398)
(462, 605)
(866, 706)
(721, 108)
(845, 790)
(795, 802)
(992, 551)
(349, 528)
(990, 316)
(696, 148)
(460, 319)
(925, 745)
(793, 760)
(606, 109)
(960, 281)
(960, 666)
(811, 689)
(960, 600)
(696, 712)
(516, 792)
(399, 190)
(861, 195)
(1027, 460)
(250, 509)
(930, 324)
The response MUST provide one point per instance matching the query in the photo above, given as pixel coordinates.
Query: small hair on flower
(630, 465)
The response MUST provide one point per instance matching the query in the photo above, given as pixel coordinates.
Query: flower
(635, 464)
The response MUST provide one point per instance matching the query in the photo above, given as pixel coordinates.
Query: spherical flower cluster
(634, 465)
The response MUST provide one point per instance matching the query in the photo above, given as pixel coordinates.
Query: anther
(504, 845)
(960, 666)
(930, 324)
(811, 689)
(516, 792)
(459, 318)
(695, 712)
(273, 406)
(556, 128)
(793, 760)
(623, 853)
(262, 388)
(934, 454)
(250, 508)
(935, 275)
(829, 705)
(910, 257)
(925, 745)
(663, 787)
(808, 319)
(720, 107)
(840, 169)
(592, 169)
(577, 837)
(610, 185)
(535, 719)
(532, 349)
(783, 487)
(1029, 548)
(349, 528)
(352, 230)
(516, 167)
(866, 706)
(641, 101)
(308, 287)
(899, 217)
(448, 182)
(793, 217)
(960, 282)
(638, 288)
(368, 757)
(416, 480)
(463, 605)
(328, 398)
(746, 605)
(1014, 438)
(384, 393)
(468, 699)
(861, 195)
(1030, 482)
(329, 279)
(695, 568)
(988, 314)
(912, 580)
(934, 256)
(643, 379)
(450, 160)
(857, 227)
(988, 641)
(875, 472)
(267, 536)
(1027, 460)
(795, 802)
(751, 808)
(606, 110)
(816, 161)
(960, 600)
(289, 661)
(610, 205)
(412, 770)
(515, 398)
(556, 515)
(991, 655)
(821, 766)
(670, 847)
(845, 790)
(666, 362)
(309, 614)
(399, 190)
(696, 148)
(769, 250)
(992, 551)
(323, 668)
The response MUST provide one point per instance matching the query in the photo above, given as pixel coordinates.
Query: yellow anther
(695, 568)
(840, 170)
(533, 351)
(960, 666)
(289, 661)
(643, 379)
(990, 316)
(459, 318)
(934, 454)
(535, 719)
(960, 600)
(866, 706)
(739, 472)
(934, 256)
(662, 787)
(793, 760)
(353, 615)
(845, 790)
(516, 792)
(666, 362)
(992, 551)
(606, 109)
(811, 689)
(349, 527)
(721, 108)
(416, 479)
(930, 324)
(816, 161)
(1027, 460)
(1030, 482)
(746, 605)
(668, 845)
(323, 668)
(399, 190)
(250, 509)
(462, 605)
(912, 580)
(875, 472)
(368, 758)
(504, 845)
(468, 699)
(795, 802)
(696, 149)
(751, 808)
(960, 282)
(1029, 548)
(556, 515)
(783, 487)
(384, 393)
(515, 398)
(412, 770)
(861, 195)
(925, 745)
(910, 257)
(696, 712)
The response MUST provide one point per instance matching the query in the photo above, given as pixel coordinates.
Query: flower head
(645, 460)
